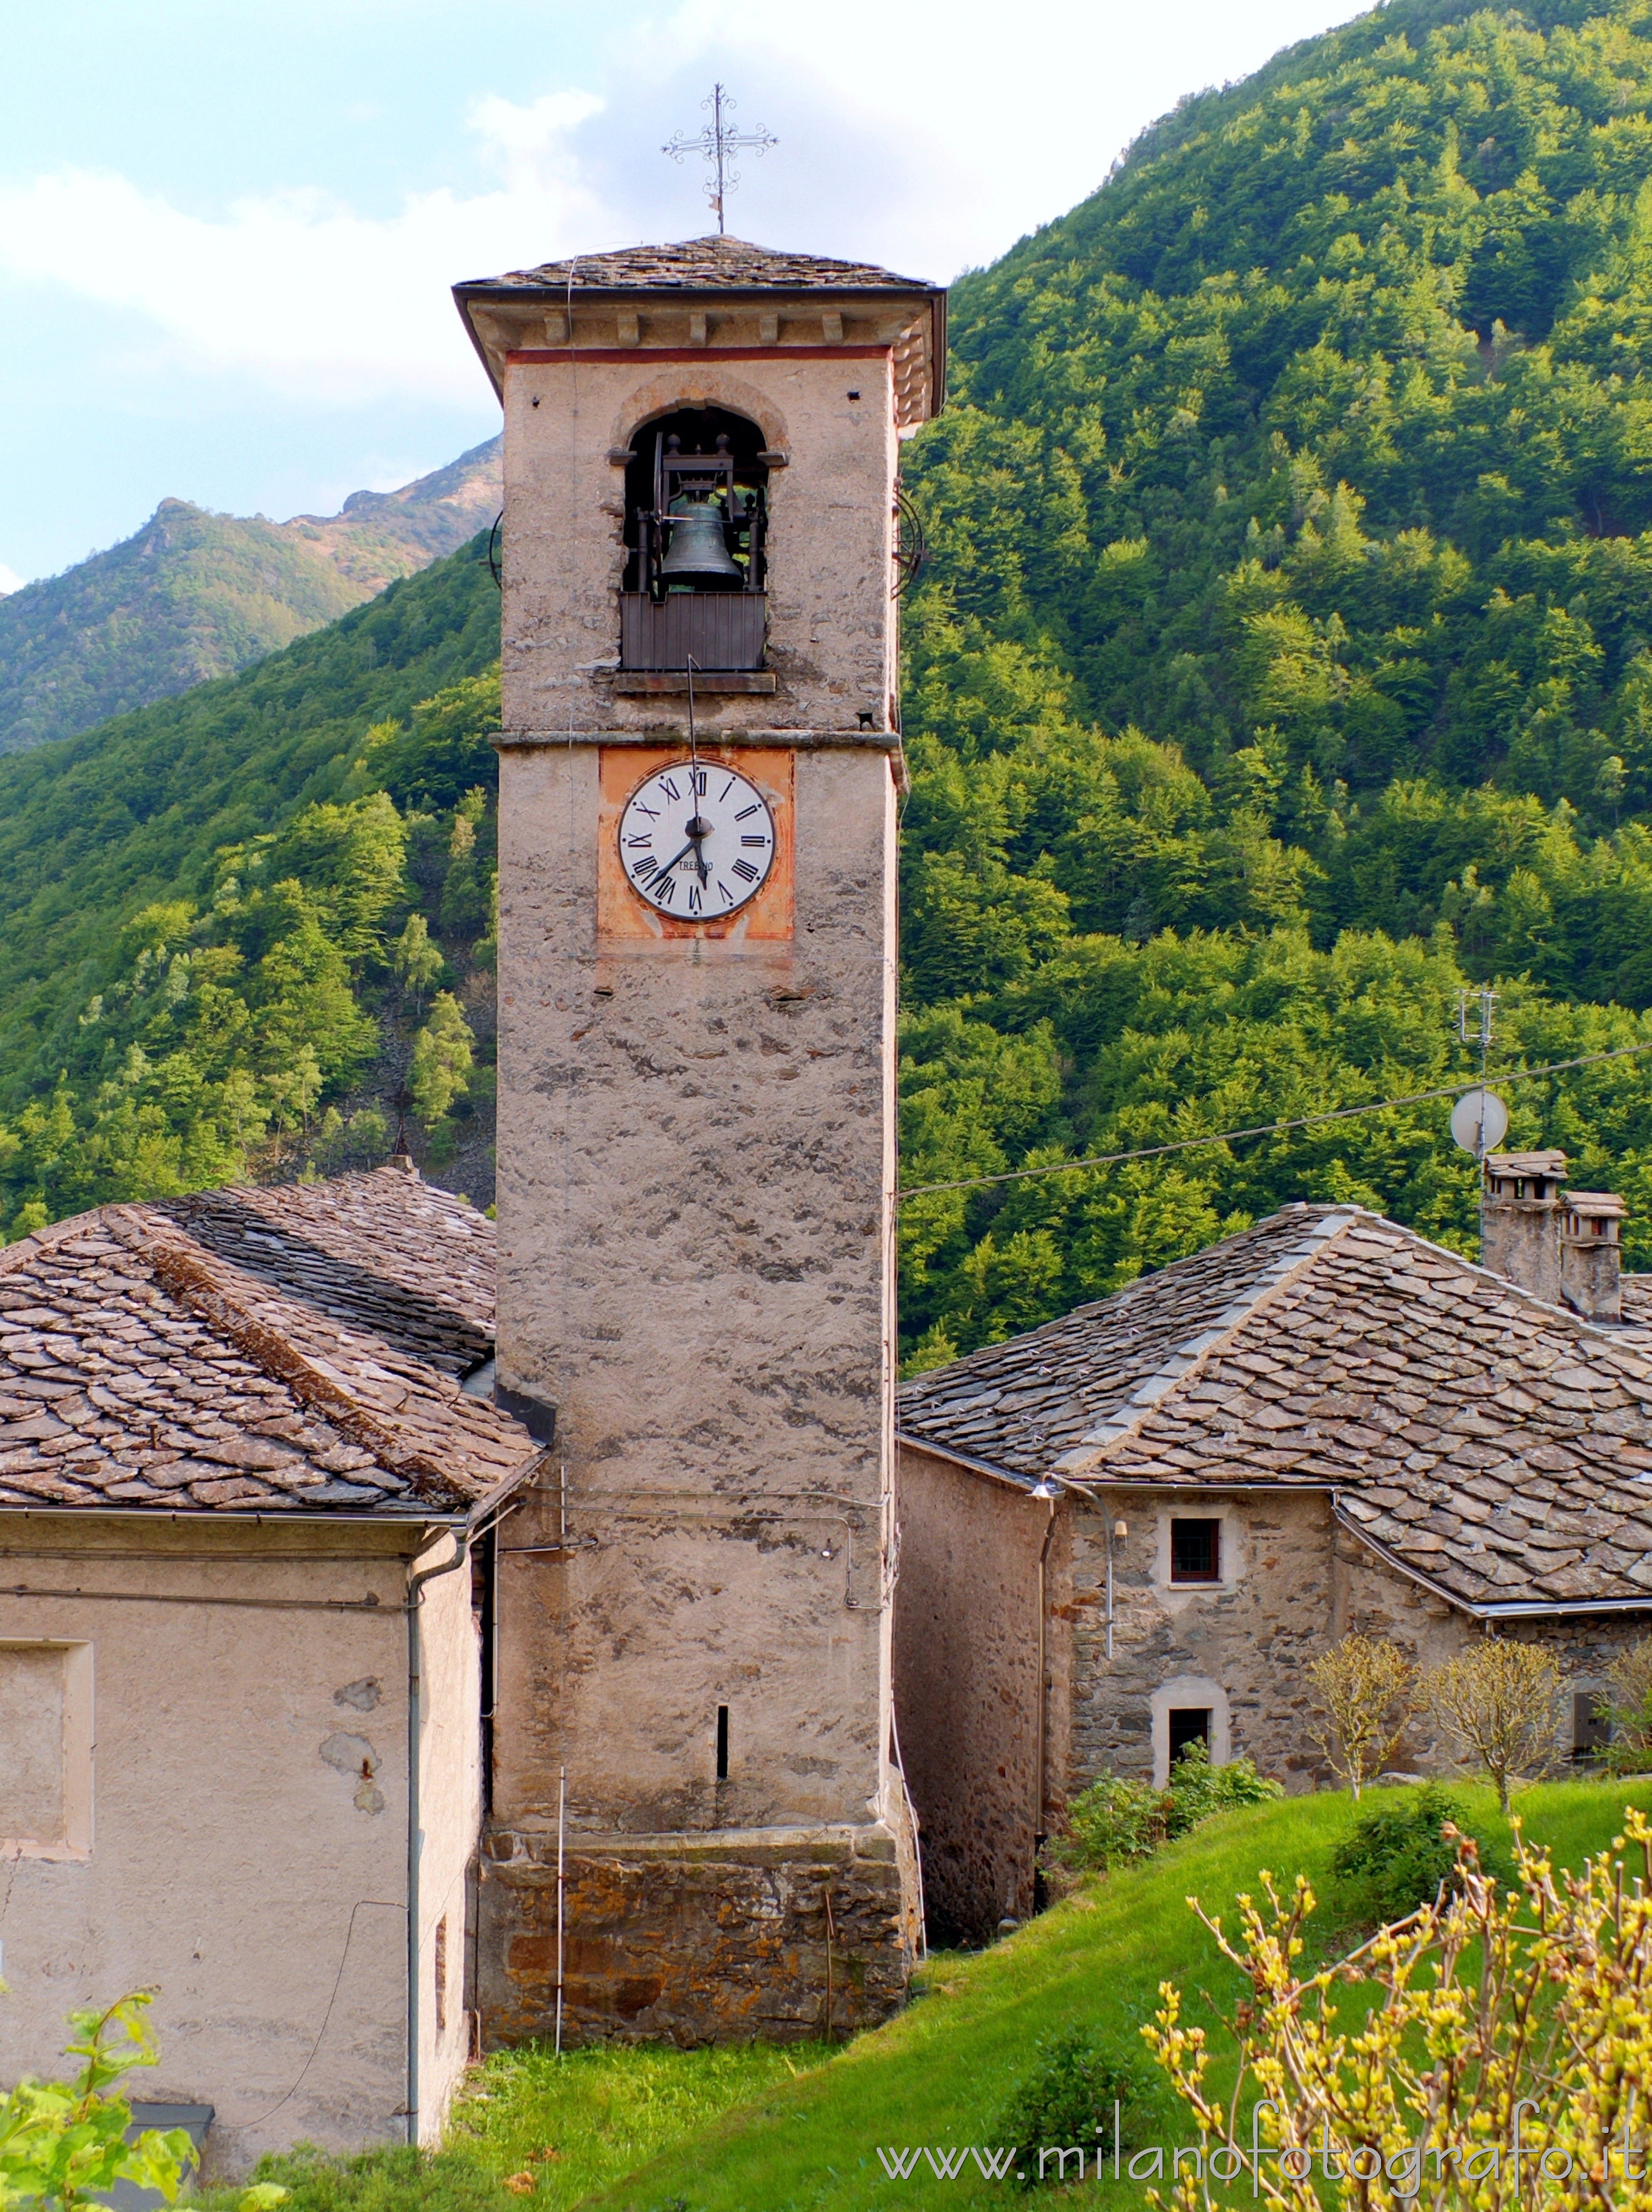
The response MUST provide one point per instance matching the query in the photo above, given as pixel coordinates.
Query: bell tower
(699, 769)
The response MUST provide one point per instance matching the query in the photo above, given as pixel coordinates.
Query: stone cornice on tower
(721, 294)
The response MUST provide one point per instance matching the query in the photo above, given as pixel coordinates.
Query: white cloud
(529, 143)
(9, 580)
(302, 294)
(297, 290)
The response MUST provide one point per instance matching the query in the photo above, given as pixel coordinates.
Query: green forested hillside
(193, 595)
(1283, 665)
(1310, 461)
(205, 910)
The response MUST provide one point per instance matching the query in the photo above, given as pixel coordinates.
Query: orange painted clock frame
(625, 917)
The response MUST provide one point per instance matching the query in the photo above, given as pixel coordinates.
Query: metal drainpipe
(415, 1839)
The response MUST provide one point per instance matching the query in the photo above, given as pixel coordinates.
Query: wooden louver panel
(718, 629)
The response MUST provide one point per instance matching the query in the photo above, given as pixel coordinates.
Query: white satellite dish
(1480, 1122)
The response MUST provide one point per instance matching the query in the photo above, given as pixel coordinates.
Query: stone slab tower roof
(699, 761)
(639, 296)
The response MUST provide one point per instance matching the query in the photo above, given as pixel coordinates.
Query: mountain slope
(1284, 667)
(193, 596)
(205, 908)
(1311, 461)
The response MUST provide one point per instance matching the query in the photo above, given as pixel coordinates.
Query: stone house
(243, 1490)
(1138, 1524)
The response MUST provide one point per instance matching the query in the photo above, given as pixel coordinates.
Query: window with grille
(1195, 1550)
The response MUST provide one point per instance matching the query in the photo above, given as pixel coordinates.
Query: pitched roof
(711, 264)
(385, 1252)
(1497, 1448)
(142, 1369)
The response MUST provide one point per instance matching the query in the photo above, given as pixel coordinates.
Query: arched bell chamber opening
(696, 512)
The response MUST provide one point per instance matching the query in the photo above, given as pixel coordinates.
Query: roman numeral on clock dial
(698, 844)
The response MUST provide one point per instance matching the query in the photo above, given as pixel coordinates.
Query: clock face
(696, 842)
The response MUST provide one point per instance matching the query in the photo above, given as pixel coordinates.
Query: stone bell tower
(698, 775)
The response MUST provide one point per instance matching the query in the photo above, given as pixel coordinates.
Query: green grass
(572, 2124)
(588, 2118)
(938, 2074)
(752, 2128)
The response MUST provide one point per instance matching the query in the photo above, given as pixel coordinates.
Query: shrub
(1112, 1821)
(1067, 2098)
(1365, 1691)
(1502, 2009)
(1396, 1854)
(1197, 1789)
(1500, 1701)
(1628, 1707)
(63, 2143)
(1116, 1820)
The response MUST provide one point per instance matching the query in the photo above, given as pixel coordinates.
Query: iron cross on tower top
(715, 142)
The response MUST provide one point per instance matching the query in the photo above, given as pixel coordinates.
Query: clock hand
(699, 830)
(670, 864)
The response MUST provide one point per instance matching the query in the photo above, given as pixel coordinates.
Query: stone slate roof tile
(1513, 1466)
(144, 1365)
(385, 1251)
(710, 263)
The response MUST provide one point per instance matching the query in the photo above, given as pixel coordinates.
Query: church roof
(1495, 1447)
(718, 264)
(255, 1351)
(385, 1252)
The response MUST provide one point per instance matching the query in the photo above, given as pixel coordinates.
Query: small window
(1189, 1724)
(1590, 1732)
(1195, 1550)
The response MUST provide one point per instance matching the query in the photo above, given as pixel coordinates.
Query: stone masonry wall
(831, 642)
(691, 1941)
(1251, 1635)
(1294, 1582)
(966, 1689)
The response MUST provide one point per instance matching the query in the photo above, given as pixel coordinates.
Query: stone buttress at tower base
(786, 1935)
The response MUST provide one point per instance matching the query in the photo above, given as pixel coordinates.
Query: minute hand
(670, 864)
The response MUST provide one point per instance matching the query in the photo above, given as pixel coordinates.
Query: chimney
(1591, 1257)
(1519, 1220)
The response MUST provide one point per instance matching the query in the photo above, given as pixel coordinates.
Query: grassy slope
(938, 2074)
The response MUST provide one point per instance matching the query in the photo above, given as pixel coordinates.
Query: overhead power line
(1266, 1129)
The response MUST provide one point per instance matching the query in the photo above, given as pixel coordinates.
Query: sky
(228, 227)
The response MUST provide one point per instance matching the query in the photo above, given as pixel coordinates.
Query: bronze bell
(698, 553)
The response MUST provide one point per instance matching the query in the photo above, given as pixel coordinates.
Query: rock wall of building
(1246, 1637)
(694, 1206)
(788, 1936)
(569, 424)
(967, 1687)
(1295, 1581)
(695, 1211)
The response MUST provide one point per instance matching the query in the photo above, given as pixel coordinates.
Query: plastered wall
(248, 1818)
(450, 1818)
